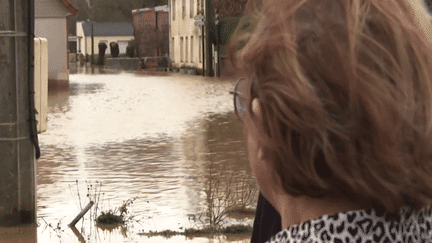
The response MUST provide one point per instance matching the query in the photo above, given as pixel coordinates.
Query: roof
(108, 29)
(69, 7)
(163, 8)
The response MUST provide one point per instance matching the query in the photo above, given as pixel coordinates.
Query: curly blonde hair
(346, 95)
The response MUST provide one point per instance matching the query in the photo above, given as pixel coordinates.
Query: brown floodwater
(172, 144)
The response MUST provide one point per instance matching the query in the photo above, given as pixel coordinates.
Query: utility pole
(92, 44)
(200, 13)
(208, 33)
(217, 59)
(203, 50)
(18, 134)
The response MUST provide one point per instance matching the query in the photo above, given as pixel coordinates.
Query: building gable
(54, 8)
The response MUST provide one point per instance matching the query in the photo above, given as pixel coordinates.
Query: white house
(51, 23)
(121, 33)
(185, 37)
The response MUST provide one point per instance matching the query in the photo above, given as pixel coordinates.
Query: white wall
(49, 9)
(183, 27)
(122, 46)
(55, 31)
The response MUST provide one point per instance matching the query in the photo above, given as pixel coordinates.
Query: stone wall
(123, 63)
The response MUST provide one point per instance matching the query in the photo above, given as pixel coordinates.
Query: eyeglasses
(242, 97)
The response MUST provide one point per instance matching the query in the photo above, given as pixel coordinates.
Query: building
(121, 33)
(152, 31)
(229, 9)
(186, 39)
(187, 46)
(51, 23)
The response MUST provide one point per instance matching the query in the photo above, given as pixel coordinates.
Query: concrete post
(17, 152)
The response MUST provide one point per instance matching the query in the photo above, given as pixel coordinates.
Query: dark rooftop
(108, 29)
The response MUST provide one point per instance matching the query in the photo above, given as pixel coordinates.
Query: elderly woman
(337, 110)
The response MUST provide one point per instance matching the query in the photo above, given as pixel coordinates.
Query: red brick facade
(229, 8)
(151, 32)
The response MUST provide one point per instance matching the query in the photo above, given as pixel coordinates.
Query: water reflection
(172, 142)
(82, 89)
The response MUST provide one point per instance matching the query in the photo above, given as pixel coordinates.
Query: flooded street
(172, 144)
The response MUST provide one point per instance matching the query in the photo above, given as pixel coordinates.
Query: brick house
(229, 15)
(229, 8)
(152, 34)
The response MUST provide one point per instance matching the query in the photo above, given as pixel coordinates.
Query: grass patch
(206, 231)
(165, 233)
(110, 218)
(237, 229)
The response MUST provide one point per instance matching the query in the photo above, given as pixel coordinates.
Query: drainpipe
(32, 110)
(67, 40)
(203, 50)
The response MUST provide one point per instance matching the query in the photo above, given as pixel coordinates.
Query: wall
(182, 26)
(17, 152)
(152, 32)
(229, 8)
(123, 63)
(49, 9)
(54, 30)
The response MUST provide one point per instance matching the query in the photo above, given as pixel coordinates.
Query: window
(191, 49)
(156, 20)
(200, 49)
(181, 49)
(172, 49)
(173, 8)
(186, 50)
(79, 45)
(183, 9)
(198, 7)
(191, 8)
(122, 46)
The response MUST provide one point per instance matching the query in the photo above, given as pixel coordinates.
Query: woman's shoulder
(362, 226)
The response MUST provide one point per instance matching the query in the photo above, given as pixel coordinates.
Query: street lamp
(92, 42)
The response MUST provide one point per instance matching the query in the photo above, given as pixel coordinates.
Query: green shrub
(130, 49)
(102, 47)
(114, 49)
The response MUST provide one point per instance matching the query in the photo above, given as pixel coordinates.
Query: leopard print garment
(361, 226)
